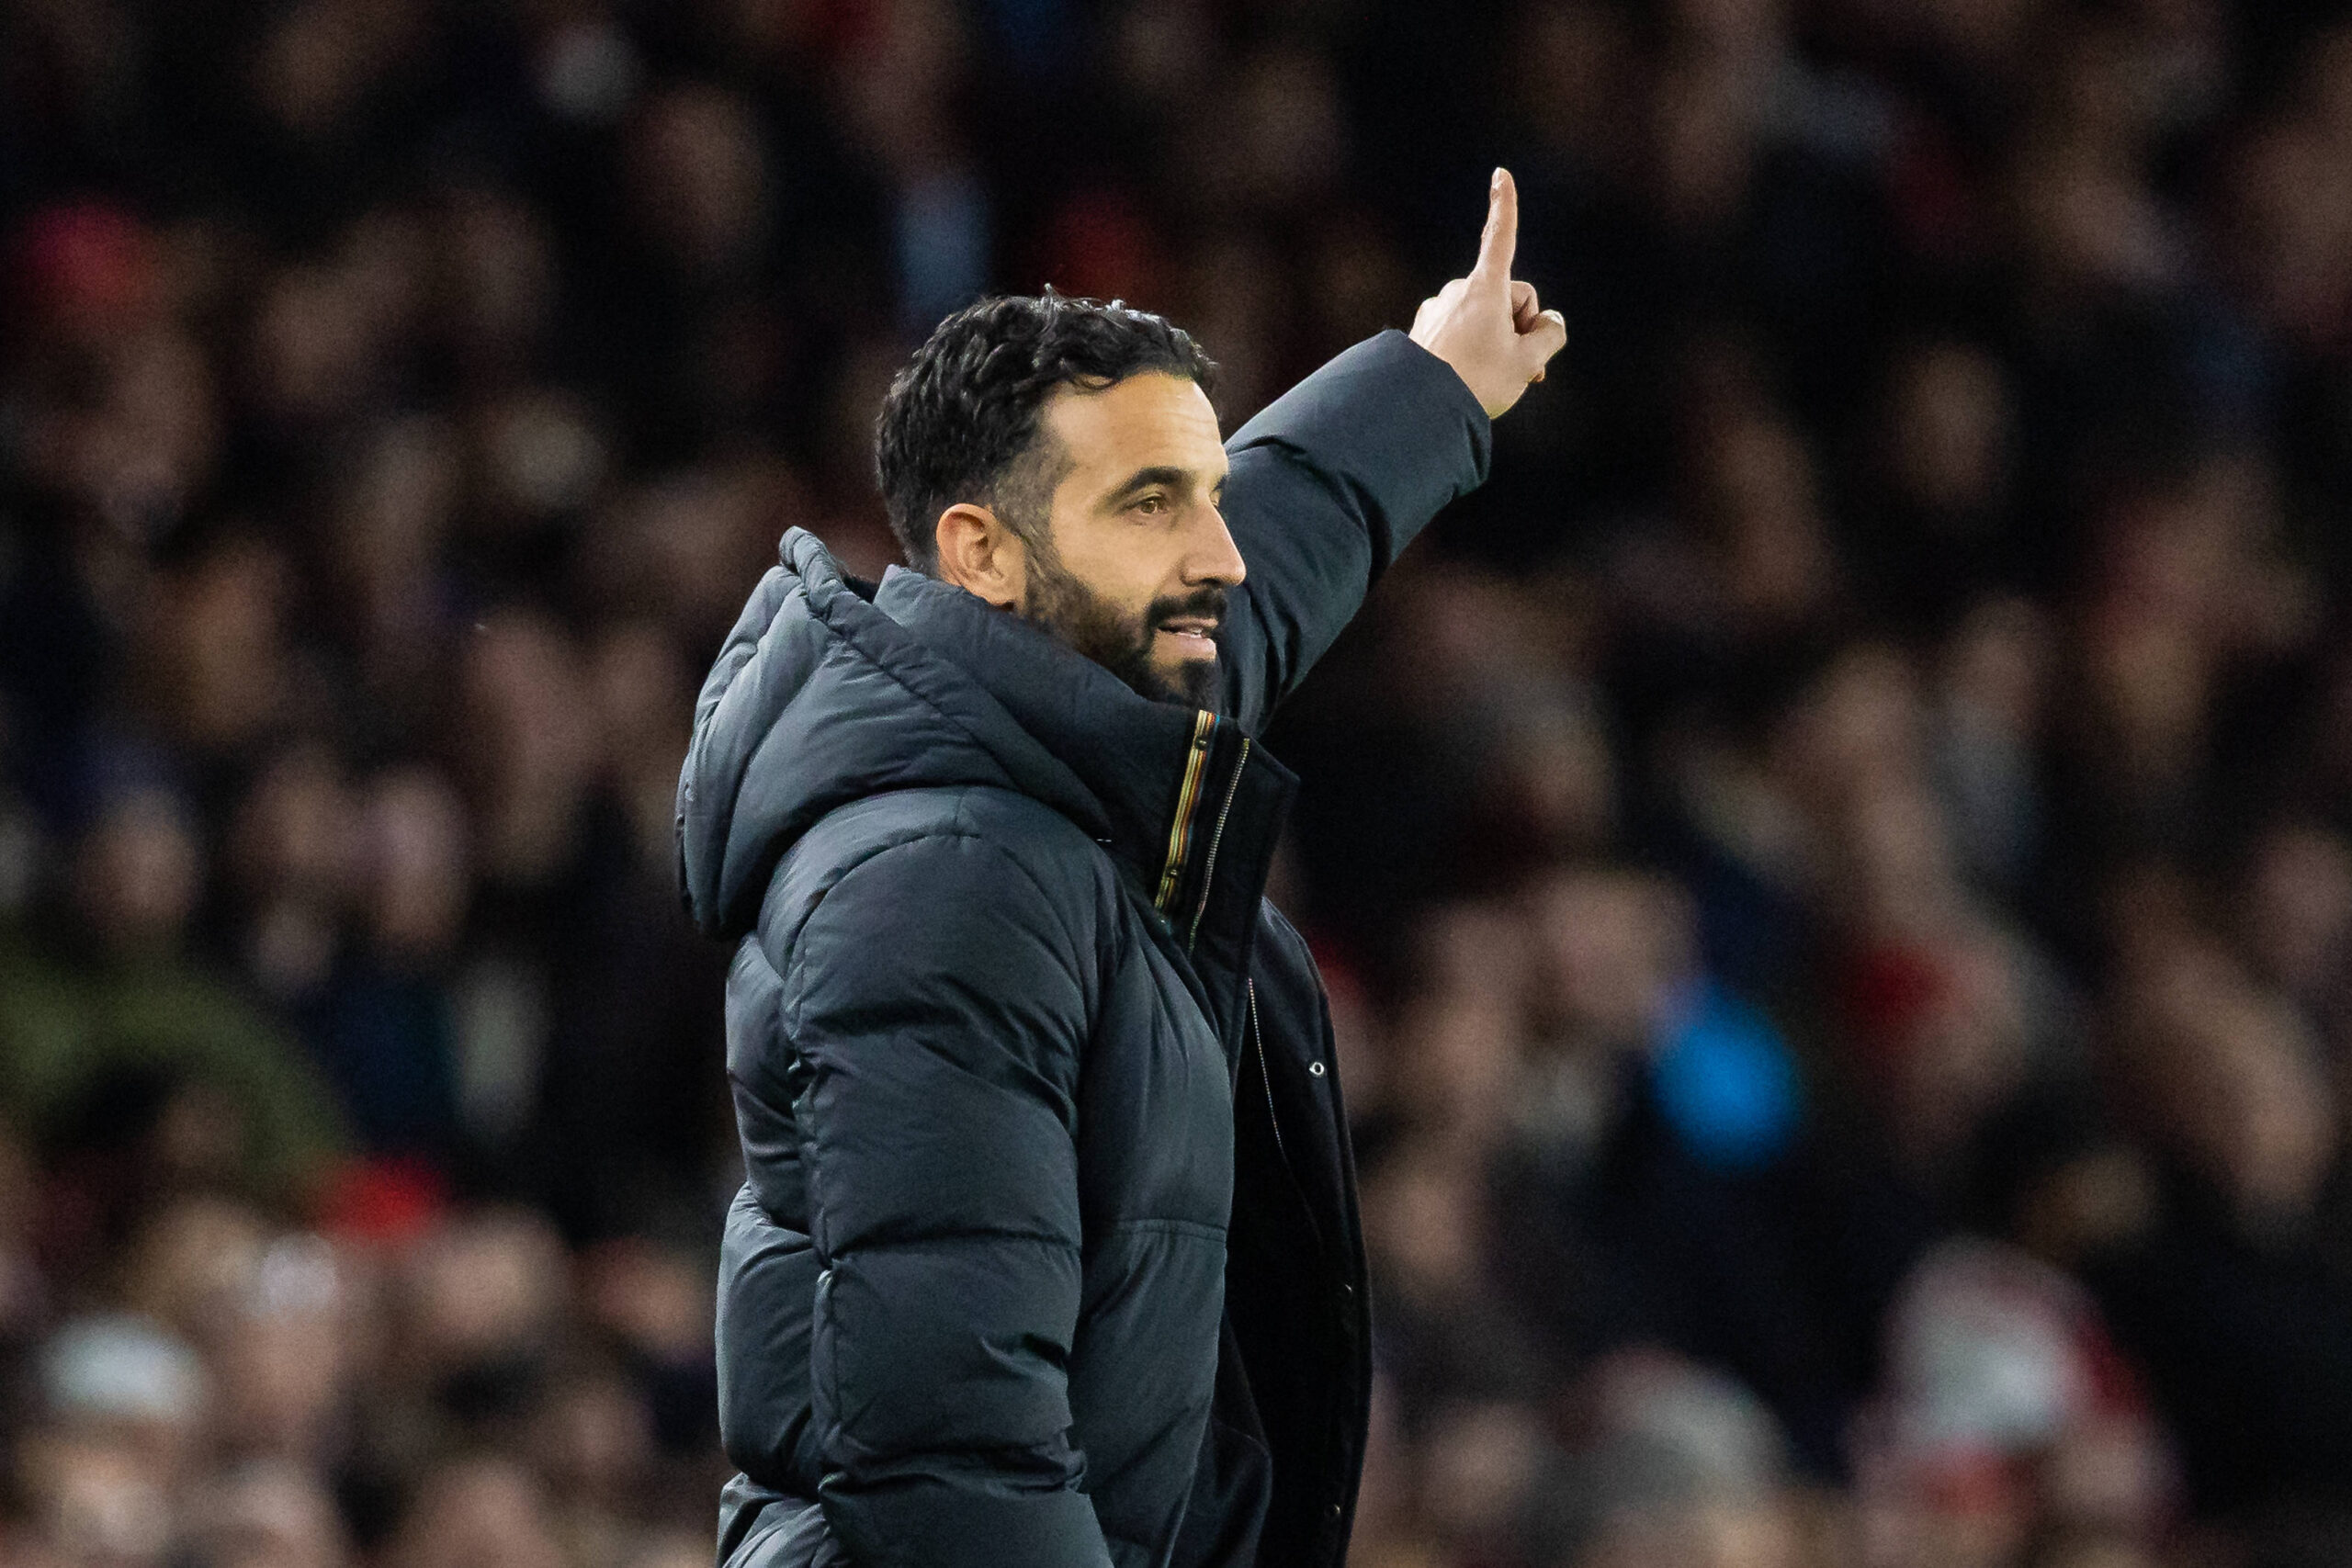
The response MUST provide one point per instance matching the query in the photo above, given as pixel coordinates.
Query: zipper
(1188, 800)
(1216, 837)
(1264, 1077)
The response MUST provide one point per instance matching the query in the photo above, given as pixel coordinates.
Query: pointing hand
(1486, 325)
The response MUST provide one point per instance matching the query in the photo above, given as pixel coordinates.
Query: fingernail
(1497, 182)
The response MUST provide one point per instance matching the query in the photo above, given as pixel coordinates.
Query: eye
(1151, 506)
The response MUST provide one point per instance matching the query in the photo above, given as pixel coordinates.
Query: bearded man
(1048, 1253)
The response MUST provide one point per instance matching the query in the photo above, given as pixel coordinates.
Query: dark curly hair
(961, 421)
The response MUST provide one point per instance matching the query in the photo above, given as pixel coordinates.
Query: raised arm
(1338, 475)
(936, 1126)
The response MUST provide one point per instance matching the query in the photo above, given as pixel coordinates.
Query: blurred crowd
(1835, 869)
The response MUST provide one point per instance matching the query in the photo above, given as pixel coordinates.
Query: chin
(1195, 682)
(1189, 683)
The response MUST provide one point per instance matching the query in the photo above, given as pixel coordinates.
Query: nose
(1211, 555)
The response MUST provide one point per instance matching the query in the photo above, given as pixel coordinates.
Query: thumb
(1539, 343)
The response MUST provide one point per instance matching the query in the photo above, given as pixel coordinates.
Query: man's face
(1137, 562)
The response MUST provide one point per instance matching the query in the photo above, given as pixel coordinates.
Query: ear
(980, 555)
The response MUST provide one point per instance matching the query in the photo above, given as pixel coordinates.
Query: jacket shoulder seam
(958, 831)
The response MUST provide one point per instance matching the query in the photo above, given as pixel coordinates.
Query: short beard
(1074, 615)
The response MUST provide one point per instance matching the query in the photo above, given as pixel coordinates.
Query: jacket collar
(1190, 806)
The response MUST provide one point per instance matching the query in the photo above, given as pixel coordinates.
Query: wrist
(1454, 365)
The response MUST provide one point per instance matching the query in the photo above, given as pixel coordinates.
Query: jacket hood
(829, 690)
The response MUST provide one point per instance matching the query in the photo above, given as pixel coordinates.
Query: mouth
(1195, 636)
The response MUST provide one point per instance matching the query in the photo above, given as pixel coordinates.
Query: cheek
(1117, 566)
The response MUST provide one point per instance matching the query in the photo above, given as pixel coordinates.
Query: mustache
(1206, 603)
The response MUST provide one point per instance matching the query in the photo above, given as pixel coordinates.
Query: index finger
(1500, 240)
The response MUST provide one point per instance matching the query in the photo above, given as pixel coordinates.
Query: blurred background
(1832, 869)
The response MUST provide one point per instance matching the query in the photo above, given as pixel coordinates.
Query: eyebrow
(1144, 479)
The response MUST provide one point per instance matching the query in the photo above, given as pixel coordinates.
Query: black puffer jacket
(1048, 1253)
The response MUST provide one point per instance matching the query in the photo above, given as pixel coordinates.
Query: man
(1047, 1256)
